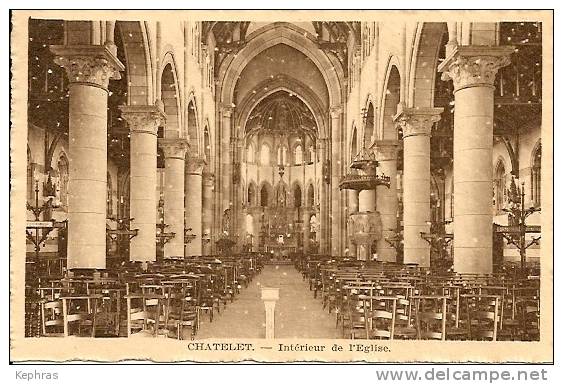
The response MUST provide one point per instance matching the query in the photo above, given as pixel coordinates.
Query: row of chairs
(162, 299)
(379, 300)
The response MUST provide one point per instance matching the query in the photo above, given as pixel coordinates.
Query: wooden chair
(381, 317)
(79, 311)
(52, 318)
(181, 311)
(431, 317)
(483, 316)
(144, 314)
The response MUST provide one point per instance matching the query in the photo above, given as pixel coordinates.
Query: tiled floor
(298, 315)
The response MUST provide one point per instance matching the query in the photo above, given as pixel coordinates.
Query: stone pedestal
(143, 121)
(417, 125)
(174, 157)
(207, 212)
(387, 201)
(89, 69)
(352, 208)
(270, 296)
(473, 70)
(194, 205)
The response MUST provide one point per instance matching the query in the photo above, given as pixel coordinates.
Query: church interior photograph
(191, 179)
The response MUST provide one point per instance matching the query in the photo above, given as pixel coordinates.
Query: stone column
(417, 125)
(306, 228)
(174, 158)
(226, 178)
(89, 69)
(473, 70)
(353, 205)
(336, 195)
(143, 121)
(207, 212)
(323, 217)
(387, 201)
(194, 205)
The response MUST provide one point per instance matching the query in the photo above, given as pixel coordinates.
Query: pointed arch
(170, 96)
(535, 167)
(192, 125)
(353, 143)
(266, 194)
(280, 33)
(500, 175)
(390, 99)
(297, 195)
(311, 195)
(369, 124)
(251, 194)
(138, 61)
(63, 170)
(424, 63)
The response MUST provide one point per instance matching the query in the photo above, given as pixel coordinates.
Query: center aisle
(298, 314)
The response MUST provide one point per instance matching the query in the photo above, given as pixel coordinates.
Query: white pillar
(89, 69)
(473, 70)
(174, 158)
(194, 205)
(270, 296)
(417, 125)
(336, 195)
(208, 182)
(143, 121)
(225, 176)
(323, 218)
(387, 201)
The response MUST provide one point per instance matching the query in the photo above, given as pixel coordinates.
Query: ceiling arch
(268, 87)
(268, 36)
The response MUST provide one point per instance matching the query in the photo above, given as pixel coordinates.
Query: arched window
(250, 153)
(30, 185)
(109, 199)
(251, 194)
(282, 155)
(536, 178)
(311, 196)
(500, 187)
(311, 154)
(298, 155)
(62, 165)
(265, 155)
(249, 224)
(297, 196)
(264, 196)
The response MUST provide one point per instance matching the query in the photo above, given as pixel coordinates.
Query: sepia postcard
(281, 186)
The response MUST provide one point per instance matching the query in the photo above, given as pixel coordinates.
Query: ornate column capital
(227, 110)
(417, 121)
(143, 118)
(194, 165)
(474, 66)
(89, 64)
(335, 111)
(386, 149)
(208, 179)
(174, 148)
